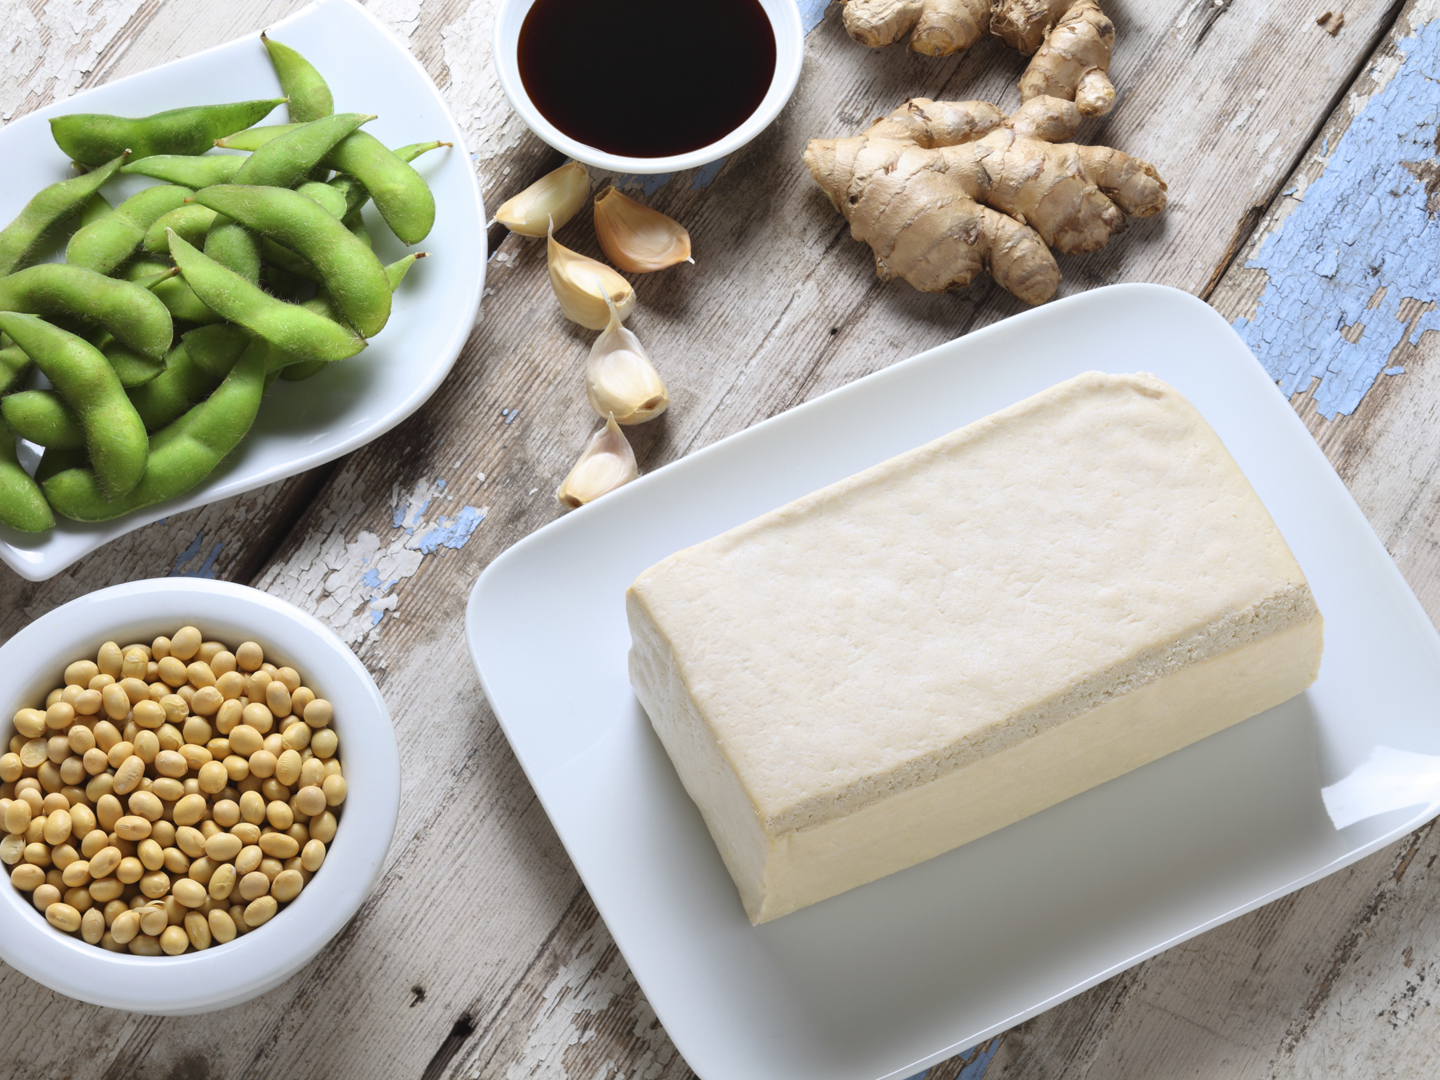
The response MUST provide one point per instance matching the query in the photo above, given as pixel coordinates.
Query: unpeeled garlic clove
(606, 463)
(636, 238)
(619, 378)
(582, 286)
(556, 196)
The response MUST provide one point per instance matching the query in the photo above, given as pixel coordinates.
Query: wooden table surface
(1304, 185)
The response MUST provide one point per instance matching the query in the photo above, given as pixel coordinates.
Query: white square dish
(300, 425)
(889, 978)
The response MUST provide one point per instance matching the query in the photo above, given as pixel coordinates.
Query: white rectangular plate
(894, 976)
(304, 424)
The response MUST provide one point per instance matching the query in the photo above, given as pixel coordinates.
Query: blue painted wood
(1368, 221)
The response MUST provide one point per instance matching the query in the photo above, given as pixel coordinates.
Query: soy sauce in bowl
(646, 78)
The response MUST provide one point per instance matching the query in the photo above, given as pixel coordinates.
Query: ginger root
(1070, 40)
(941, 190)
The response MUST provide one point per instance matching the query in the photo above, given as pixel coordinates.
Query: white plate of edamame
(300, 424)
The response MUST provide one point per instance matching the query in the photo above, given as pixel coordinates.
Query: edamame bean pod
(255, 137)
(14, 366)
(289, 326)
(216, 349)
(182, 303)
(192, 221)
(43, 417)
(94, 209)
(292, 370)
(310, 97)
(22, 503)
(114, 433)
(355, 192)
(104, 244)
(399, 192)
(234, 247)
(132, 314)
(92, 138)
(284, 160)
(162, 402)
(181, 455)
(133, 369)
(50, 206)
(352, 274)
(188, 171)
(328, 197)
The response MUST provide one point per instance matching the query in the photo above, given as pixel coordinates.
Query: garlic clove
(582, 297)
(619, 377)
(606, 463)
(636, 238)
(556, 196)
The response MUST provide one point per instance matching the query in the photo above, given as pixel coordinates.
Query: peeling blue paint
(372, 579)
(812, 13)
(975, 1068)
(705, 175)
(1362, 226)
(451, 534)
(376, 616)
(206, 569)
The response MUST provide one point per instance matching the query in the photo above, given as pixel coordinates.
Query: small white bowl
(784, 18)
(222, 975)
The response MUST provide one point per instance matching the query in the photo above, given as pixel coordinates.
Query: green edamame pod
(286, 260)
(92, 139)
(310, 97)
(127, 311)
(399, 192)
(140, 270)
(22, 503)
(216, 349)
(187, 171)
(355, 192)
(132, 368)
(255, 137)
(234, 247)
(169, 397)
(181, 455)
(292, 370)
(51, 206)
(104, 244)
(94, 209)
(43, 417)
(284, 284)
(328, 197)
(180, 300)
(14, 366)
(114, 433)
(352, 274)
(192, 221)
(55, 460)
(289, 326)
(284, 160)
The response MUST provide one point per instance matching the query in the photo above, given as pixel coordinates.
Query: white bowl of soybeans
(217, 791)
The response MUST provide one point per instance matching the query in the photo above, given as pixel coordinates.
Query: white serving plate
(304, 424)
(894, 976)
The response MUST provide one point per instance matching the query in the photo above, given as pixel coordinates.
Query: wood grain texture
(479, 954)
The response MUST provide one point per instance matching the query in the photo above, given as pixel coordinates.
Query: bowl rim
(784, 16)
(217, 977)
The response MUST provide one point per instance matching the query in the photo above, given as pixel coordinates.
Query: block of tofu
(965, 635)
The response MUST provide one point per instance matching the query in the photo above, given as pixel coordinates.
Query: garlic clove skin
(636, 238)
(582, 297)
(606, 463)
(620, 380)
(556, 196)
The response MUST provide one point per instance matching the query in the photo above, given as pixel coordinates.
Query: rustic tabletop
(1301, 155)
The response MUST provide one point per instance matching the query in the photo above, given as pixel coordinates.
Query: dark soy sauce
(646, 78)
